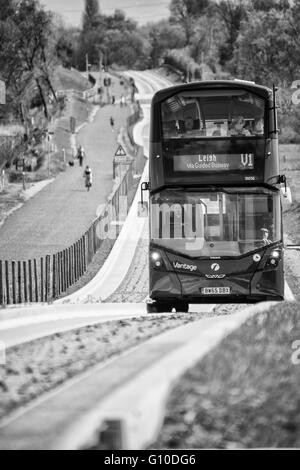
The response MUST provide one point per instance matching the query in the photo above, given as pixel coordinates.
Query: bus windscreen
(210, 114)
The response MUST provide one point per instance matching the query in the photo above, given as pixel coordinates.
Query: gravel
(244, 394)
(135, 286)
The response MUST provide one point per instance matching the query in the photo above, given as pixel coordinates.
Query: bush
(180, 59)
(15, 176)
(10, 149)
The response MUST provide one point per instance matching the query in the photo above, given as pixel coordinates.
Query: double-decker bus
(215, 199)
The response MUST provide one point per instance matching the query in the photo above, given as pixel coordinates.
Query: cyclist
(88, 177)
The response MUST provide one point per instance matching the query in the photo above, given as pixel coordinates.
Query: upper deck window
(212, 114)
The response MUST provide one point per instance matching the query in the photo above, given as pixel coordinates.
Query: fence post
(74, 264)
(13, 270)
(36, 282)
(71, 265)
(79, 259)
(67, 269)
(30, 281)
(58, 292)
(57, 276)
(63, 271)
(84, 253)
(47, 283)
(60, 272)
(7, 283)
(90, 245)
(42, 279)
(1, 285)
(76, 261)
(25, 282)
(19, 283)
(54, 277)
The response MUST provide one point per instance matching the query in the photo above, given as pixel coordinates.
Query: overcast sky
(142, 11)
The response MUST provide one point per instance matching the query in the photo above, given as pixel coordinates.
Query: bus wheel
(159, 308)
(182, 307)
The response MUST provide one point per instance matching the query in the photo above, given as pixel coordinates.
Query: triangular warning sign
(120, 152)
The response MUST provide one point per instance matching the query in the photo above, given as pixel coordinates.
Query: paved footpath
(64, 210)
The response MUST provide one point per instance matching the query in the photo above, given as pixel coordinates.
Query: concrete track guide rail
(122, 399)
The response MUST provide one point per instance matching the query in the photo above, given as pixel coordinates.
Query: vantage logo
(187, 267)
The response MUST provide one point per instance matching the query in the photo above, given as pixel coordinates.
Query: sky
(143, 11)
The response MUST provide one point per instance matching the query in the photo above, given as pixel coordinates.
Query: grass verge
(244, 394)
(41, 365)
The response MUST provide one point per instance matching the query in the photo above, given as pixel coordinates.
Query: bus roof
(262, 91)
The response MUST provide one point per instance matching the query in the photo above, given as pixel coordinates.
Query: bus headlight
(156, 259)
(155, 256)
(274, 258)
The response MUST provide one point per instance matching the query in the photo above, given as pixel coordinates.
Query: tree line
(253, 39)
(249, 39)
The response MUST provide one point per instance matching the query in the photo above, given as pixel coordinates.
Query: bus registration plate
(215, 290)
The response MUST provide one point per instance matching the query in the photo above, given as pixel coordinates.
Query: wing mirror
(143, 206)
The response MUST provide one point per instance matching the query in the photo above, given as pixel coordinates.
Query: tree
(231, 13)
(66, 46)
(268, 5)
(116, 38)
(91, 14)
(264, 50)
(185, 13)
(7, 8)
(27, 54)
(163, 36)
(205, 44)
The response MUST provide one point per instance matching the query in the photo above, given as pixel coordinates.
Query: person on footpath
(88, 177)
(80, 154)
(112, 123)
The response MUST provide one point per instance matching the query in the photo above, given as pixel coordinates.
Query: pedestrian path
(64, 210)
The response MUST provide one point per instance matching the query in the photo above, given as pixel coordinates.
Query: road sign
(120, 152)
(121, 160)
(2, 92)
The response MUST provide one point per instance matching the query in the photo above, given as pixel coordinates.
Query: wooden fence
(47, 278)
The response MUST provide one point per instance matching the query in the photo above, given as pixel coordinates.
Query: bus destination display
(214, 162)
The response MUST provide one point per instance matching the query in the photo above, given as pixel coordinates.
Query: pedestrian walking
(88, 177)
(80, 154)
(112, 123)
